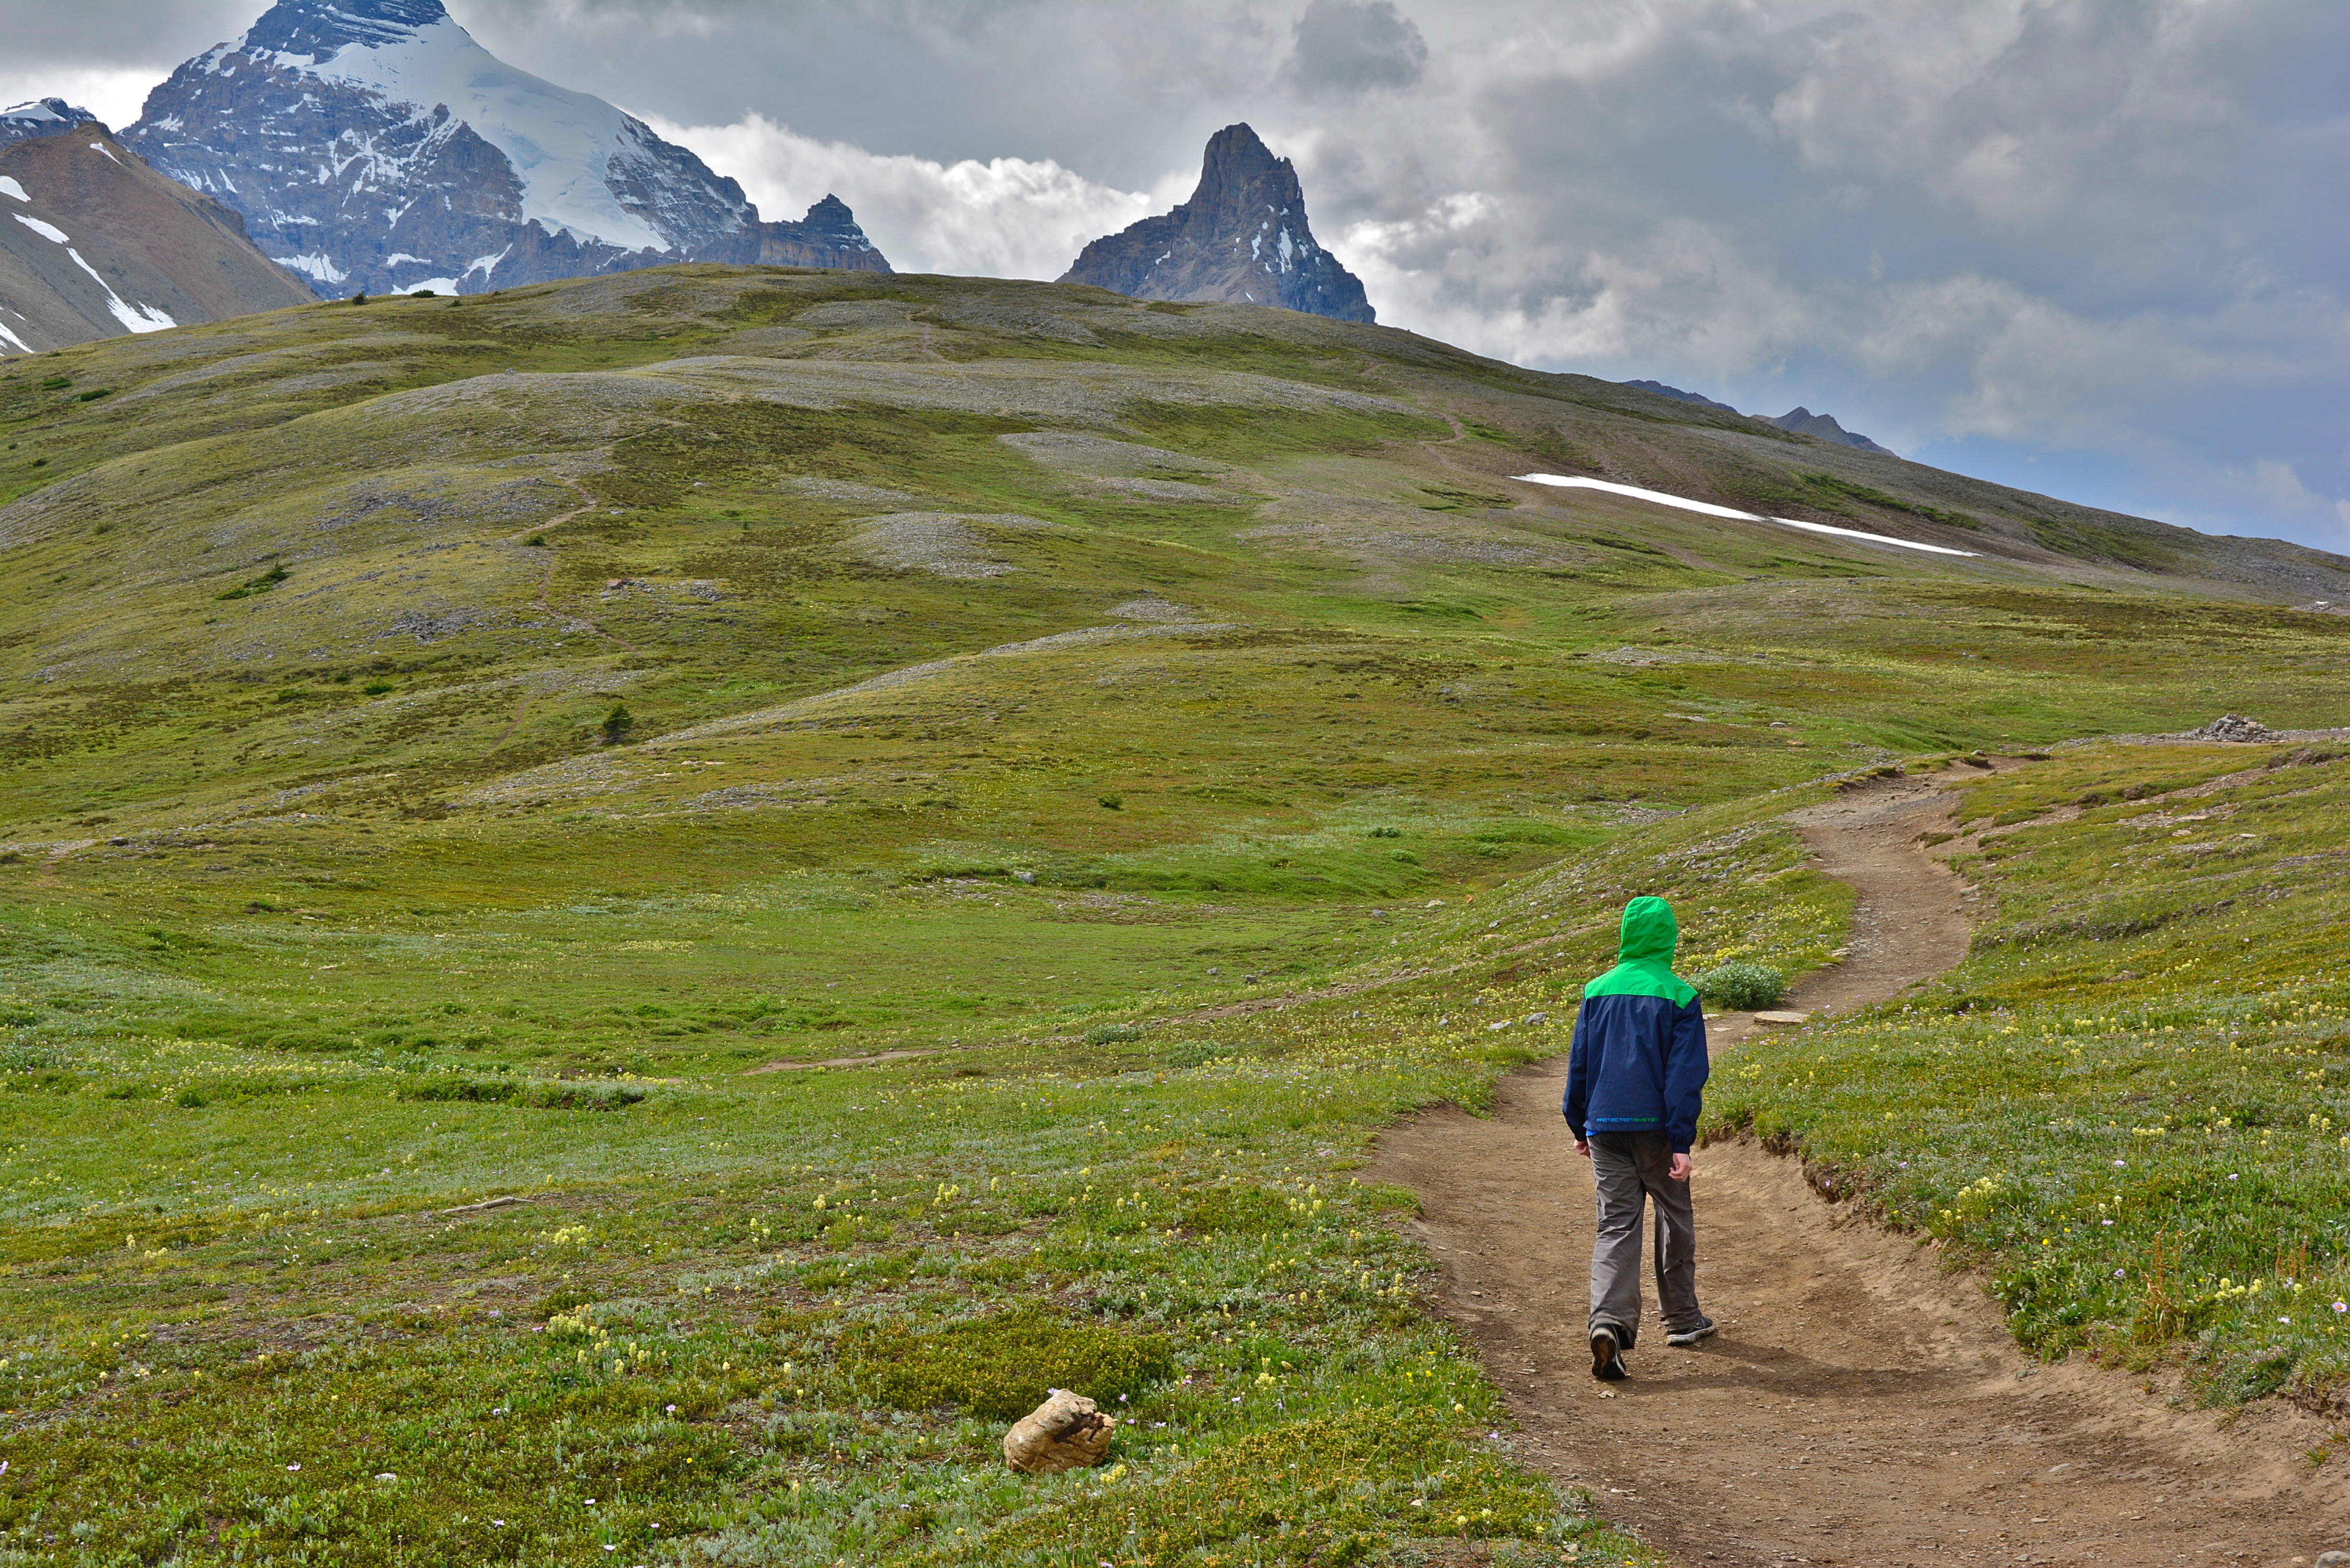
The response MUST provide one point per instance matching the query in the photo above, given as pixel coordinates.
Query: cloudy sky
(2092, 247)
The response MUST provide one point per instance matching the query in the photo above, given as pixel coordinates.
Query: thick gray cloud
(2092, 246)
(1348, 45)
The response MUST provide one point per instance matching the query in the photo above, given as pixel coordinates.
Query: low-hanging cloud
(1005, 217)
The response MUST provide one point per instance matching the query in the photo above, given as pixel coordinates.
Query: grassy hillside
(813, 781)
(2132, 1103)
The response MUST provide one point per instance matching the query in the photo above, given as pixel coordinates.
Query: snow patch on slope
(49, 232)
(134, 318)
(9, 187)
(1561, 482)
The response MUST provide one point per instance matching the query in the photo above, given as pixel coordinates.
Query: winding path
(1860, 1407)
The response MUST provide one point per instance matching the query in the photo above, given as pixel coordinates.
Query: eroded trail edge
(1860, 1405)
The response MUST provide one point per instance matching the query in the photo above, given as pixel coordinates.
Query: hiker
(1635, 1080)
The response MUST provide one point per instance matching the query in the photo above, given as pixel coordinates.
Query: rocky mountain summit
(1242, 239)
(1803, 421)
(42, 117)
(101, 246)
(373, 146)
(1799, 419)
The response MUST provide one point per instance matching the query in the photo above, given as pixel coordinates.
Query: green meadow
(632, 912)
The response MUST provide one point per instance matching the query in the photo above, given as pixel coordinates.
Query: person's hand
(1682, 1167)
(1583, 1148)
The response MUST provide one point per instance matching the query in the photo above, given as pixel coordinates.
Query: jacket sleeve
(1687, 1069)
(1577, 1103)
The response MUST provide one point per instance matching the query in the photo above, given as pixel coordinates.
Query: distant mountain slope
(101, 246)
(1799, 419)
(1677, 395)
(373, 146)
(42, 117)
(1803, 421)
(1242, 239)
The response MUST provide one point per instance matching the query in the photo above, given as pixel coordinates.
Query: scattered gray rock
(848, 492)
(1152, 609)
(432, 628)
(2236, 727)
(1074, 452)
(943, 544)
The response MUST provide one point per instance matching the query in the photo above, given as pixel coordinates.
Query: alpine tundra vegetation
(635, 909)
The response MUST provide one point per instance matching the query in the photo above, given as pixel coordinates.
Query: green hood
(1650, 933)
(1644, 959)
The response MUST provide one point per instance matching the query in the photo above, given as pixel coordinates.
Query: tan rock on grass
(1067, 1432)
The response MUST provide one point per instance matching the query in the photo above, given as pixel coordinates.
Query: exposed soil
(1860, 1405)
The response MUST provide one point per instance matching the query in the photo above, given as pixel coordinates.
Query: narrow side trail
(547, 587)
(1859, 1406)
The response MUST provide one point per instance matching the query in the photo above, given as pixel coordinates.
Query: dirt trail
(1859, 1406)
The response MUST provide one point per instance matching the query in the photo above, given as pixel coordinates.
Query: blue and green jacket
(1639, 1063)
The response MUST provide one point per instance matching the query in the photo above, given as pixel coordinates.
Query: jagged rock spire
(1242, 238)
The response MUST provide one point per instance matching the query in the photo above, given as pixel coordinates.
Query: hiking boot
(1606, 1356)
(1706, 1328)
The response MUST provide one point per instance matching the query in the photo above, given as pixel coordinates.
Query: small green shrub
(617, 723)
(1741, 985)
(1193, 1053)
(93, 397)
(1113, 1033)
(558, 1095)
(18, 1057)
(57, 383)
(377, 688)
(1112, 803)
(260, 585)
(1003, 1365)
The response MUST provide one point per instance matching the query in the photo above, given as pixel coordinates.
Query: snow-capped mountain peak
(314, 31)
(375, 144)
(42, 117)
(584, 166)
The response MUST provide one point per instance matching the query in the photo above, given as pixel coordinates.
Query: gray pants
(1629, 1168)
